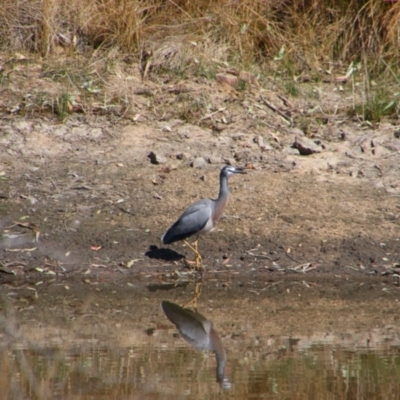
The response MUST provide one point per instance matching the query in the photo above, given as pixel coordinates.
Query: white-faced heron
(201, 216)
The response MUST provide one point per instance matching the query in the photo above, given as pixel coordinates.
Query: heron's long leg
(198, 259)
(196, 296)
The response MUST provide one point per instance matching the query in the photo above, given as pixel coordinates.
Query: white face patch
(230, 171)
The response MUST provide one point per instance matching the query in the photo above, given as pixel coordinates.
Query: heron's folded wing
(192, 221)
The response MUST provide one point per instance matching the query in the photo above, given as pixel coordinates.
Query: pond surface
(71, 362)
(85, 372)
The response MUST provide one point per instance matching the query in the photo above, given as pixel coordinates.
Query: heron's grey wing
(193, 327)
(192, 221)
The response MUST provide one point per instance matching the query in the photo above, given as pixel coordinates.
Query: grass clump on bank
(181, 39)
(312, 32)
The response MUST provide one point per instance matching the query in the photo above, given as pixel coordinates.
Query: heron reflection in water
(199, 332)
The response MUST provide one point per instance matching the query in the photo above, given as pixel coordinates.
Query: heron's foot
(199, 262)
(197, 256)
(196, 296)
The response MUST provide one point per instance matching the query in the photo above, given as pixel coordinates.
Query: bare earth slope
(83, 200)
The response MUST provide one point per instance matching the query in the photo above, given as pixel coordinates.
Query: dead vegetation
(91, 47)
(248, 31)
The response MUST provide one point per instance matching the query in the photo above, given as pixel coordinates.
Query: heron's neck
(221, 362)
(223, 188)
(220, 203)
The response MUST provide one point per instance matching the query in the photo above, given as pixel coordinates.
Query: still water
(156, 372)
(320, 372)
(126, 341)
(171, 363)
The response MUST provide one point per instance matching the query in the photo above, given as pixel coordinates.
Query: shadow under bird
(199, 332)
(201, 216)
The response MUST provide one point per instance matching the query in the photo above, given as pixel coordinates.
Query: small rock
(296, 132)
(238, 136)
(157, 158)
(393, 145)
(396, 134)
(365, 144)
(306, 146)
(214, 160)
(23, 126)
(333, 161)
(290, 151)
(249, 78)
(260, 141)
(238, 155)
(95, 133)
(227, 79)
(229, 161)
(60, 131)
(341, 147)
(183, 156)
(380, 151)
(378, 140)
(199, 162)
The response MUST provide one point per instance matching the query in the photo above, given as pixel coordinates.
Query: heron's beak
(240, 170)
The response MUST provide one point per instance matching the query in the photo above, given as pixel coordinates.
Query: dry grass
(114, 44)
(313, 32)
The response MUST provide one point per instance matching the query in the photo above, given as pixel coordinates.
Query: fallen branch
(211, 114)
(276, 110)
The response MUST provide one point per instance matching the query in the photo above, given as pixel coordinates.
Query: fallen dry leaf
(131, 262)
(95, 248)
(250, 166)
(31, 226)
